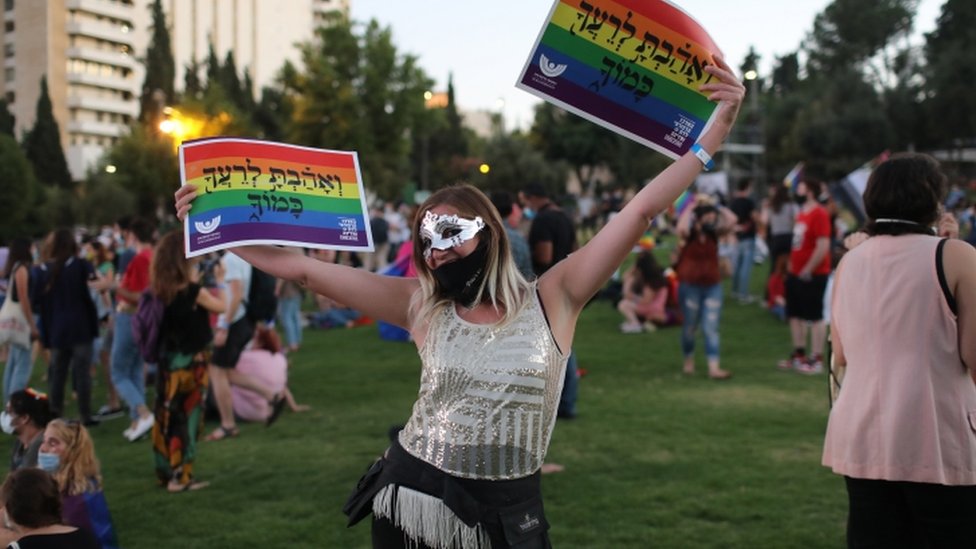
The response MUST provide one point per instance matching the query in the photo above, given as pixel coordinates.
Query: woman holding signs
(464, 470)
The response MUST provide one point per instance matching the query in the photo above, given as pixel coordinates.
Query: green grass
(655, 459)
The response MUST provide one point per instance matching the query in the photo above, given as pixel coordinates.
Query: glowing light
(110, 168)
(751, 75)
(428, 95)
(484, 168)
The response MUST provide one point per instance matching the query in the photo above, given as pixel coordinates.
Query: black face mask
(459, 280)
(800, 199)
(709, 230)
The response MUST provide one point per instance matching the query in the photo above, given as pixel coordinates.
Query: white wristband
(703, 156)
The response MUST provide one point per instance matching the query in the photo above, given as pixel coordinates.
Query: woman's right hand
(184, 200)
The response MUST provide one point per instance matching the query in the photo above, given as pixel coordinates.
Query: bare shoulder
(959, 259)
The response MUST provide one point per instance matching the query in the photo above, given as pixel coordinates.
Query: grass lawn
(655, 459)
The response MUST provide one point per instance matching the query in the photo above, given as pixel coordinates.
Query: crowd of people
(86, 299)
(489, 289)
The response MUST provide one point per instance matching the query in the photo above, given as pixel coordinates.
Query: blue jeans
(742, 260)
(127, 374)
(335, 317)
(567, 400)
(17, 374)
(700, 305)
(289, 313)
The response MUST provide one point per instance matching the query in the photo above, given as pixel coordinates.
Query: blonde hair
(79, 466)
(503, 285)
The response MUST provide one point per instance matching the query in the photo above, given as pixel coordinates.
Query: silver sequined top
(488, 395)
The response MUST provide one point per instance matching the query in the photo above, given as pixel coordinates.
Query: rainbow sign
(258, 192)
(632, 66)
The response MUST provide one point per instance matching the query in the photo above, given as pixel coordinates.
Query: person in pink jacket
(903, 428)
(265, 362)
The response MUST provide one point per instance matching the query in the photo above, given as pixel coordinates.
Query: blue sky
(486, 49)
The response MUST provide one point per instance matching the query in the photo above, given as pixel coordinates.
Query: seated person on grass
(265, 363)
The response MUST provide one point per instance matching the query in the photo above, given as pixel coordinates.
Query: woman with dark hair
(16, 374)
(645, 295)
(25, 416)
(465, 470)
(69, 322)
(700, 280)
(185, 336)
(903, 429)
(32, 514)
(778, 217)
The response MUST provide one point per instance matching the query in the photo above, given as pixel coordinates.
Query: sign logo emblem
(207, 227)
(550, 69)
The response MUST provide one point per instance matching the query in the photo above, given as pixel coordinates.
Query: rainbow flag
(683, 202)
(258, 192)
(793, 178)
(632, 66)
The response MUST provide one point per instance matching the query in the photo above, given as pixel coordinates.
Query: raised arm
(380, 297)
(580, 276)
(727, 220)
(683, 227)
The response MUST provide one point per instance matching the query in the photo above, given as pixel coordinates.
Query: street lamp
(180, 126)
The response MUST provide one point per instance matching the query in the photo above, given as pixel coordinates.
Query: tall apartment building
(89, 51)
(86, 49)
(262, 33)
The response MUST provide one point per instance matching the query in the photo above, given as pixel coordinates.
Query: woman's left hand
(728, 91)
(948, 226)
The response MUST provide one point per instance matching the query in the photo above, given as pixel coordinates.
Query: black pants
(891, 515)
(77, 359)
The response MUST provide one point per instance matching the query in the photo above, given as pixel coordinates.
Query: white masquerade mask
(442, 232)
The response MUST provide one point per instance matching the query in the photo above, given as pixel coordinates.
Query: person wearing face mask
(68, 454)
(465, 469)
(700, 281)
(806, 282)
(25, 416)
(31, 514)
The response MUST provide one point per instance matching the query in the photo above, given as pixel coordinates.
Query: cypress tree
(42, 144)
(192, 87)
(157, 88)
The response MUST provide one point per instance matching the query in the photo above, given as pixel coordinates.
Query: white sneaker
(142, 427)
(127, 432)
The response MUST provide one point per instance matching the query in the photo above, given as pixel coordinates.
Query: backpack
(146, 324)
(261, 303)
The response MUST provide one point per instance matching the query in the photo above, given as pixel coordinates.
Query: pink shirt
(907, 407)
(270, 370)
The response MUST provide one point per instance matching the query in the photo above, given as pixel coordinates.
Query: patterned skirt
(181, 390)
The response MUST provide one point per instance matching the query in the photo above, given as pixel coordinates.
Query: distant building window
(10, 97)
(8, 50)
(8, 26)
(8, 5)
(8, 74)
